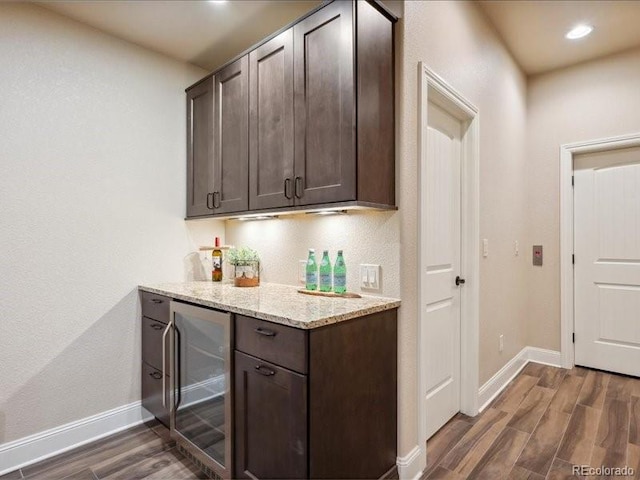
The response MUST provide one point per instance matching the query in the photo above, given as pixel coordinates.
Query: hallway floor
(547, 420)
(145, 451)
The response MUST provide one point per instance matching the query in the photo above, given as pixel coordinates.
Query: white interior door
(441, 250)
(607, 260)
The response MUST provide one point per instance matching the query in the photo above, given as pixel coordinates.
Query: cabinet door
(153, 391)
(200, 148)
(325, 162)
(271, 123)
(271, 420)
(231, 130)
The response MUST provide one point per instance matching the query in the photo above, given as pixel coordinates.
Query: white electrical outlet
(370, 276)
(485, 247)
(302, 271)
(501, 343)
(516, 247)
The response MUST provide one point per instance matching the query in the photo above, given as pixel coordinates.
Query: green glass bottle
(340, 275)
(325, 272)
(312, 271)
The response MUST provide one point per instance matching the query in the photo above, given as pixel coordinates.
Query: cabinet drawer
(284, 346)
(152, 393)
(152, 332)
(155, 306)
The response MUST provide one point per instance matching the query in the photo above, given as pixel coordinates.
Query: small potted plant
(246, 264)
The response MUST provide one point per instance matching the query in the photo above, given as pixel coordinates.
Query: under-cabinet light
(328, 212)
(247, 218)
(579, 31)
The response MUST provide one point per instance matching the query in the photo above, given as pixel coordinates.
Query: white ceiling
(209, 34)
(534, 30)
(204, 33)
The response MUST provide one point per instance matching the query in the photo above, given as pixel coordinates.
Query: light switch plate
(370, 276)
(485, 247)
(302, 271)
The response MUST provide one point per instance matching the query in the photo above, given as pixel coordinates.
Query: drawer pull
(265, 332)
(262, 370)
(157, 326)
(156, 375)
(156, 300)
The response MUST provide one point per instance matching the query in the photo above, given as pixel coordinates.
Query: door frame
(567, 298)
(433, 88)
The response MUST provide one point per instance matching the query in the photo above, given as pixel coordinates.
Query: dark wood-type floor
(145, 452)
(545, 421)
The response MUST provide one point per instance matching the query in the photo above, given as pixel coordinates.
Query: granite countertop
(273, 302)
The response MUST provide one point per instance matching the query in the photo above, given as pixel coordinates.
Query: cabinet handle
(157, 376)
(298, 187)
(210, 204)
(164, 358)
(287, 188)
(262, 370)
(216, 195)
(156, 300)
(156, 326)
(266, 333)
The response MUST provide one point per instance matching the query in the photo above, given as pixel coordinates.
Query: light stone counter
(275, 303)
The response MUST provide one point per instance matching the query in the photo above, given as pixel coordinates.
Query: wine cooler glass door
(201, 380)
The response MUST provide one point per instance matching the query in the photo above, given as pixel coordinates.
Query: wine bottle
(325, 272)
(216, 264)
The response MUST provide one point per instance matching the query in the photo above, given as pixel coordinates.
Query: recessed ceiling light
(579, 31)
(218, 1)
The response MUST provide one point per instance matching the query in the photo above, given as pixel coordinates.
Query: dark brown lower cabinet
(152, 392)
(271, 420)
(337, 421)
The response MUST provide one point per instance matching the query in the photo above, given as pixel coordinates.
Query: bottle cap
(312, 250)
(217, 242)
(339, 252)
(325, 252)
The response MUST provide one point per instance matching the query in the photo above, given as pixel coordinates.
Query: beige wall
(456, 42)
(589, 101)
(92, 152)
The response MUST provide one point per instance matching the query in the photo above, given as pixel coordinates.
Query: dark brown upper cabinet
(271, 123)
(200, 176)
(305, 119)
(230, 143)
(325, 162)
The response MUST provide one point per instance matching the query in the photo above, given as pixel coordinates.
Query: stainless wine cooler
(200, 378)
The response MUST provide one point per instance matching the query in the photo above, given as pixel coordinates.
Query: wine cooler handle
(178, 379)
(164, 361)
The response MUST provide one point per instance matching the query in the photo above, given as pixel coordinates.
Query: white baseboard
(492, 388)
(32, 449)
(548, 357)
(411, 466)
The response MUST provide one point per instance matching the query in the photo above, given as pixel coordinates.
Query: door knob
(460, 281)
